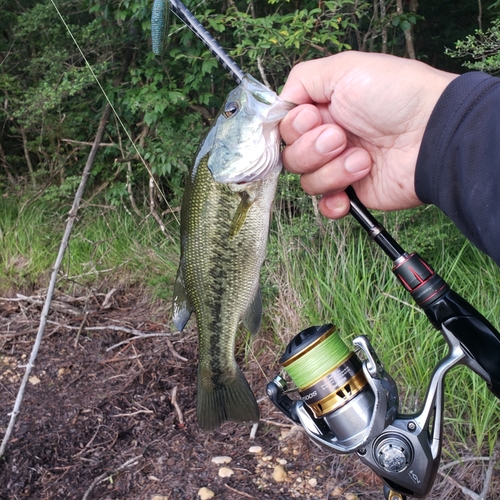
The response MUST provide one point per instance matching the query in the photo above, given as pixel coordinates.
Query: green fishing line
(315, 363)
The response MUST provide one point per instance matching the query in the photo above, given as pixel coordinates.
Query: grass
(315, 273)
(108, 245)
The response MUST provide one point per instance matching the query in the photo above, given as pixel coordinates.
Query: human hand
(360, 120)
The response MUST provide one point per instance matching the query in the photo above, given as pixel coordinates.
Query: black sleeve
(458, 167)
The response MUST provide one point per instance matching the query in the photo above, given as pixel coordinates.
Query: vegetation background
(127, 231)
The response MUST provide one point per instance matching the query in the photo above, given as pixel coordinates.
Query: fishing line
(314, 362)
(143, 161)
(328, 375)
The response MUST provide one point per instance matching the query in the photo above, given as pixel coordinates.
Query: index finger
(309, 82)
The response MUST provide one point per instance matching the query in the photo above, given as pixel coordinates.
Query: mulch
(109, 413)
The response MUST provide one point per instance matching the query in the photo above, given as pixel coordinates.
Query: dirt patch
(110, 416)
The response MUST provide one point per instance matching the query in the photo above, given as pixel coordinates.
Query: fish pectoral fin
(241, 214)
(253, 314)
(181, 307)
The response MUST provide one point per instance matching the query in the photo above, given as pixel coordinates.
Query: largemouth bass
(225, 216)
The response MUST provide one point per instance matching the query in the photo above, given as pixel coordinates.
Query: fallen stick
(106, 475)
(487, 480)
(173, 400)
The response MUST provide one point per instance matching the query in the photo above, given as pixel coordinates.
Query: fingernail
(333, 203)
(356, 162)
(328, 141)
(305, 121)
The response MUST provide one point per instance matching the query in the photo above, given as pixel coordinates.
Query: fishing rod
(348, 401)
(186, 16)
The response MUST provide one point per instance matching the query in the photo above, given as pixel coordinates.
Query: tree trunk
(384, 26)
(5, 164)
(27, 155)
(408, 33)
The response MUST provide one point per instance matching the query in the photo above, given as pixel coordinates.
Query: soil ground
(109, 415)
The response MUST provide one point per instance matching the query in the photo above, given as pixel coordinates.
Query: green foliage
(483, 48)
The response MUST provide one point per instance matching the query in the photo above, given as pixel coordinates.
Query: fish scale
(224, 232)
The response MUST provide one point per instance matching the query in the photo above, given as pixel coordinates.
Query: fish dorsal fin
(241, 214)
(181, 307)
(253, 314)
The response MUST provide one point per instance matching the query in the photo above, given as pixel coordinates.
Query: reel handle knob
(392, 495)
(275, 391)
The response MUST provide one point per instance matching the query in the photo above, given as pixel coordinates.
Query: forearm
(458, 167)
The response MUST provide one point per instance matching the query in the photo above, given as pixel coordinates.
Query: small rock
(267, 458)
(34, 380)
(337, 491)
(313, 482)
(221, 460)
(255, 449)
(279, 474)
(225, 472)
(281, 461)
(63, 371)
(159, 497)
(351, 496)
(205, 493)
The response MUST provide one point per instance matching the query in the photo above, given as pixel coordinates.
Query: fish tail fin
(231, 399)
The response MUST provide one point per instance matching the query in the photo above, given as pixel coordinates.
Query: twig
(242, 493)
(173, 400)
(461, 487)
(90, 442)
(132, 414)
(107, 475)
(277, 424)
(262, 72)
(487, 478)
(106, 304)
(174, 352)
(463, 461)
(56, 305)
(137, 335)
(84, 143)
(82, 324)
(253, 431)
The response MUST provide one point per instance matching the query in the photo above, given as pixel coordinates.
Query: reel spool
(331, 381)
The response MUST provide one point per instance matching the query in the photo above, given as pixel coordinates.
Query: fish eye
(230, 109)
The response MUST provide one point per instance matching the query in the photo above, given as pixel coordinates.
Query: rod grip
(476, 334)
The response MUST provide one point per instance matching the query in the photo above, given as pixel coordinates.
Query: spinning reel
(349, 403)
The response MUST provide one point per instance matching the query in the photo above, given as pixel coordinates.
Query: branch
(85, 143)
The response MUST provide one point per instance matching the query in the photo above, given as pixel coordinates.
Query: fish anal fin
(230, 399)
(181, 307)
(253, 314)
